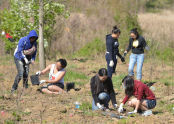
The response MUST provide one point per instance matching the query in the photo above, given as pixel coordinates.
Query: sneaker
(147, 113)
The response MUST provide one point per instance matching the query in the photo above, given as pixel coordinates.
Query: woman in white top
(56, 77)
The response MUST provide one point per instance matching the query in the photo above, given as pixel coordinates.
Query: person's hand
(125, 53)
(122, 59)
(42, 81)
(100, 106)
(115, 106)
(26, 61)
(111, 63)
(133, 112)
(120, 109)
(38, 72)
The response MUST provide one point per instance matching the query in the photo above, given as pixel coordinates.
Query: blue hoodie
(25, 44)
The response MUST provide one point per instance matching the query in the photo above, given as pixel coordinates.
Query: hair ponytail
(116, 30)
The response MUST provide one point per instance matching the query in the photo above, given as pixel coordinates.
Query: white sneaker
(147, 113)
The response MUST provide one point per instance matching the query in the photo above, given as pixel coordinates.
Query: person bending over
(56, 77)
(102, 91)
(144, 98)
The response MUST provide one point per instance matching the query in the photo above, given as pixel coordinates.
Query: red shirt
(141, 91)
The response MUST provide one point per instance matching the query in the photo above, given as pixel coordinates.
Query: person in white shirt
(56, 77)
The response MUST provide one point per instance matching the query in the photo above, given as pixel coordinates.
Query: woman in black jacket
(102, 91)
(112, 46)
(137, 44)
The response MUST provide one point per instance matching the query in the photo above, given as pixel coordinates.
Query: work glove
(26, 61)
(100, 106)
(120, 109)
(125, 53)
(122, 59)
(42, 81)
(111, 63)
(115, 106)
(38, 72)
(147, 48)
(133, 112)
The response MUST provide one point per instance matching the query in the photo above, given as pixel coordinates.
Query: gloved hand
(120, 109)
(100, 106)
(125, 53)
(26, 61)
(38, 72)
(133, 112)
(42, 81)
(122, 59)
(111, 63)
(147, 48)
(115, 106)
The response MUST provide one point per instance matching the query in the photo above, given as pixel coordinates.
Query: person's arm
(45, 70)
(93, 89)
(112, 92)
(21, 48)
(126, 98)
(139, 98)
(109, 45)
(145, 44)
(34, 54)
(129, 46)
(62, 74)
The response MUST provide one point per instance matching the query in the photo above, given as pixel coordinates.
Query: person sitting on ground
(102, 91)
(56, 77)
(144, 98)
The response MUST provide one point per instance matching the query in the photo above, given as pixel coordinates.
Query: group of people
(101, 84)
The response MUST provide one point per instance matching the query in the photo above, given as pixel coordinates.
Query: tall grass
(158, 30)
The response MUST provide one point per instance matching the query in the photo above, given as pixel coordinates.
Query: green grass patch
(169, 108)
(117, 80)
(73, 76)
(91, 49)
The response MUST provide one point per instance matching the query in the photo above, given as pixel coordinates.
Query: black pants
(23, 71)
(111, 70)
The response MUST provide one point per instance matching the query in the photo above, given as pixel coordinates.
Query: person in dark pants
(144, 98)
(112, 46)
(25, 53)
(137, 44)
(102, 91)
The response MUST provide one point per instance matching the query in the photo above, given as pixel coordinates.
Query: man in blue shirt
(25, 53)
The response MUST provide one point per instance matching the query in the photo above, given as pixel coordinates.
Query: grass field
(30, 106)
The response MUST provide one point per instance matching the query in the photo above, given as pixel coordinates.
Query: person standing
(137, 44)
(112, 46)
(25, 53)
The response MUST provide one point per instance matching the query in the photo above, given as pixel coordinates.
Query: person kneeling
(144, 98)
(102, 91)
(56, 77)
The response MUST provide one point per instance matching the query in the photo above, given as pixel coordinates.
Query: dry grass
(158, 28)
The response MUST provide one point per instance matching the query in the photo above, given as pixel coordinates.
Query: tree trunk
(42, 61)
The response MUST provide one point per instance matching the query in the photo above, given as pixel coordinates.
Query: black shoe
(13, 90)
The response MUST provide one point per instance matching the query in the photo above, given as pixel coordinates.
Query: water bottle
(77, 105)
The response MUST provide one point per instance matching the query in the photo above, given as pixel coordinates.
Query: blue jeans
(111, 70)
(103, 98)
(139, 59)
